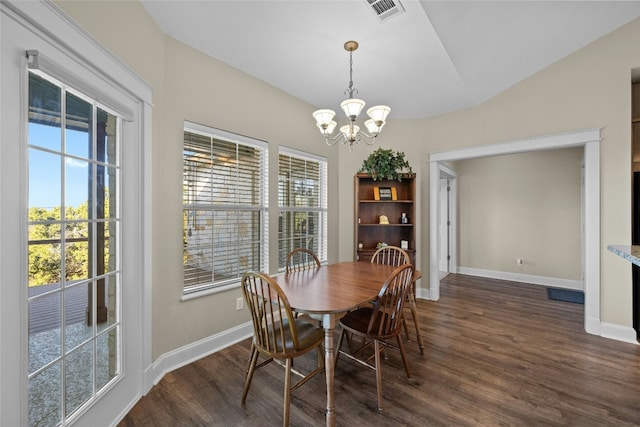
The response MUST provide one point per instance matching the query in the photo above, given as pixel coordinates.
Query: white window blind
(302, 203)
(224, 207)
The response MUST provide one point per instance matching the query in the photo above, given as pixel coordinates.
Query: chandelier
(351, 133)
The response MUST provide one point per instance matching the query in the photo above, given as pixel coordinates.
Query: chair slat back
(390, 255)
(301, 259)
(273, 320)
(386, 319)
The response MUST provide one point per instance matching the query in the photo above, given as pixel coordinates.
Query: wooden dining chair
(301, 259)
(393, 255)
(379, 323)
(277, 334)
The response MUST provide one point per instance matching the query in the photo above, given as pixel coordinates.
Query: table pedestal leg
(328, 323)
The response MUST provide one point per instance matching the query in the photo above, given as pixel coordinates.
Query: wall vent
(385, 9)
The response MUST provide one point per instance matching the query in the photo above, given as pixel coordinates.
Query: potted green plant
(386, 164)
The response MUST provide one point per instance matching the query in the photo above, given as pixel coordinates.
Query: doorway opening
(590, 141)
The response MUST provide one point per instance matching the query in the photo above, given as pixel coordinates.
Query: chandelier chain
(350, 91)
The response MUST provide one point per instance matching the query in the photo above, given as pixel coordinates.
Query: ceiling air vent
(385, 9)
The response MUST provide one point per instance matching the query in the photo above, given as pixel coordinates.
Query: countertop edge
(630, 253)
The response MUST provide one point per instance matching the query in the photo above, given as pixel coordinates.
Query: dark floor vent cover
(566, 295)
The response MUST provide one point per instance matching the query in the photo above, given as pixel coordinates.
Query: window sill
(209, 291)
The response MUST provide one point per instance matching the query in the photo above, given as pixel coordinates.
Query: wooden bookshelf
(368, 230)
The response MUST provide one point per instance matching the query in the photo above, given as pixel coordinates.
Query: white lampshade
(323, 117)
(378, 113)
(352, 106)
(372, 127)
(347, 131)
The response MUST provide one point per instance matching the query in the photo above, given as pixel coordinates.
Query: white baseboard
(577, 285)
(618, 333)
(194, 351)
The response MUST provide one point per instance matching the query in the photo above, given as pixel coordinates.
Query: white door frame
(590, 140)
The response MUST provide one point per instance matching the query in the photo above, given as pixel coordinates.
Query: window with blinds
(302, 204)
(225, 231)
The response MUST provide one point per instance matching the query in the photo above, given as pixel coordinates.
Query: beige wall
(525, 206)
(590, 88)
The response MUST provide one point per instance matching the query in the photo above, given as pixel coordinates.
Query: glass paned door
(73, 251)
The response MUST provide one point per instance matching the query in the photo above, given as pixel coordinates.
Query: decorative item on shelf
(351, 133)
(381, 245)
(360, 244)
(404, 244)
(383, 219)
(404, 219)
(386, 164)
(385, 193)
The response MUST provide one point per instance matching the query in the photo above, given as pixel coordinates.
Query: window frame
(202, 289)
(322, 209)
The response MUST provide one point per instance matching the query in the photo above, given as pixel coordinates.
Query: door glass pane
(44, 113)
(105, 189)
(45, 266)
(107, 366)
(78, 368)
(106, 141)
(77, 256)
(108, 245)
(77, 329)
(109, 301)
(45, 396)
(79, 127)
(45, 330)
(73, 277)
(77, 188)
(44, 181)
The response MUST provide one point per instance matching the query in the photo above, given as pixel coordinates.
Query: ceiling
(432, 58)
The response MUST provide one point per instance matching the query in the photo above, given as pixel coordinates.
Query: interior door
(444, 225)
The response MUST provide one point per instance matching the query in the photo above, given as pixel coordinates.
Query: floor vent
(385, 9)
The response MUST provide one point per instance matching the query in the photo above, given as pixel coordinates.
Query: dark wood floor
(496, 353)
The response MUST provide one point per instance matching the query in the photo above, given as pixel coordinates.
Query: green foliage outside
(45, 251)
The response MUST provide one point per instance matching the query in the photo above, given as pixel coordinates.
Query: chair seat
(308, 336)
(358, 321)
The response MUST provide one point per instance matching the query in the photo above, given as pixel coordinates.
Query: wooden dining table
(332, 290)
